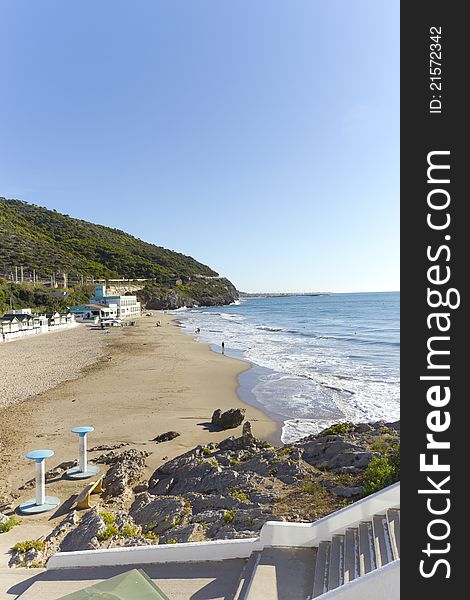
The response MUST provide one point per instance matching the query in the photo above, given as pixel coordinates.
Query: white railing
(276, 533)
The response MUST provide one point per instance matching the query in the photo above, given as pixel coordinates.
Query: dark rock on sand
(229, 419)
(166, 437)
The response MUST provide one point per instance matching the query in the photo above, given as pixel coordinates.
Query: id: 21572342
(435, 70)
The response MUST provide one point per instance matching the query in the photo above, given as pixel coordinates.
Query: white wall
(161, 553)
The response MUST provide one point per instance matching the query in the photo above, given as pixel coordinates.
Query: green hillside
(49, 242)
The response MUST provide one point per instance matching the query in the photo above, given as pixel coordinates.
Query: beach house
(126, 306)
(23, 322)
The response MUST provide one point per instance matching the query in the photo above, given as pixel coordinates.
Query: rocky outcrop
(223, 490)
(348, 447)
(126, 469)
(196, 291)
(229, 419)
(84, 536)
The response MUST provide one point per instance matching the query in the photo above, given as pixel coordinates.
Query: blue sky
(259, 136)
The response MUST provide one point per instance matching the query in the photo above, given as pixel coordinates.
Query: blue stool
(83, 470)
(41, 503)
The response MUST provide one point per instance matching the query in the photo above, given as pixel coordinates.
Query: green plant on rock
(108, 533)
(284, 452)
(12, 521)
(337, 429)
(107, 517)
(229, 516)
(382, 472)
(206, 451)
(128, 531)
(239, 495)
(383, 443)
(27, 545)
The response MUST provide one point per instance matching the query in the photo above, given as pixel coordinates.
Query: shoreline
(148, 381)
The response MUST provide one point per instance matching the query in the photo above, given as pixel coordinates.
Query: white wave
(266, 328)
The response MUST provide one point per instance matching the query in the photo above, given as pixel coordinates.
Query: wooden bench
(95, 487)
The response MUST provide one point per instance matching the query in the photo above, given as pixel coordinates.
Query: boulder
(126, 470)
(158, 514)
(229, 419)
(192, 532)
(166, 437)
(83, 537)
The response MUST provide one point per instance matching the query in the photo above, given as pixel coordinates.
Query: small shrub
(129, 531)
(229, 516)
(150, 535)
(239, 494)
(272, 471)
(12, 521)
(214, 463)
(382, 472)
(337, 429)
(284, 452)
(29, 545)
(383, 443)
(108, 533)
(206, 451)
(107, 517)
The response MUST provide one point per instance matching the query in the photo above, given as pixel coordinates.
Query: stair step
(393, 517)
(366, 548)
(351, 554)
(336, 573)
(322, 567)
(383, 546)
(282, 573)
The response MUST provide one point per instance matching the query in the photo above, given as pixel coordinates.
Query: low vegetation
(27, 545)
(229, 516)
(12, 521)
(382, 471)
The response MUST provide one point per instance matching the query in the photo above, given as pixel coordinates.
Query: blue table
(83, 470)
(41, 503)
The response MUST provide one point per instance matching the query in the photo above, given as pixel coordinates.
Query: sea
(316, 360)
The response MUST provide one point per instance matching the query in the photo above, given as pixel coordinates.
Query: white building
(126, 306)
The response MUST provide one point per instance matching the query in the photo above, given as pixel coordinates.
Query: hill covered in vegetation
(49, 242)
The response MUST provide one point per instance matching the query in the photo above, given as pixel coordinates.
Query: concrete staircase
(303, 573)
(358, 551)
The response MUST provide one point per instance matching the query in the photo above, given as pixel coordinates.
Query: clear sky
(259, 136)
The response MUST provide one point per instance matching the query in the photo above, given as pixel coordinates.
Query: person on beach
(223, 347)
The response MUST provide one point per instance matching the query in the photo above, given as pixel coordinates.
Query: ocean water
(316, 360)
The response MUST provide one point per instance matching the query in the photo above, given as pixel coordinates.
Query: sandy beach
(137, 382)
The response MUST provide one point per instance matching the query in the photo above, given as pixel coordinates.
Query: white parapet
(161, 553)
